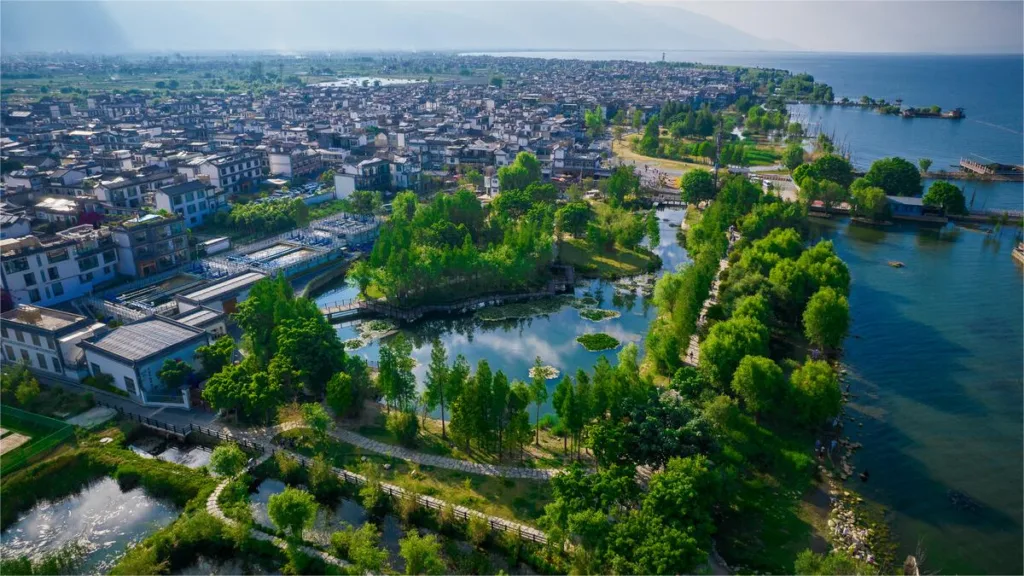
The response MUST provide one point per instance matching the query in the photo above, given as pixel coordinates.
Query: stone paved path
(693, 349)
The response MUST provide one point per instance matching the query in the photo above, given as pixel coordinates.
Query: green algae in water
(521, 310)
(598, 314)
(354, 343)
(597, 342)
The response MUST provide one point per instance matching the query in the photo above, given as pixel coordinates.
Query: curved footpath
(213, 507)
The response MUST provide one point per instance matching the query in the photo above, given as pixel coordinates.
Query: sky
(877, 26)
(123, 26)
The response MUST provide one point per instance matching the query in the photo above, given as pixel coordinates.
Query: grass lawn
(550, 453)
(519, 500)
(615, 264)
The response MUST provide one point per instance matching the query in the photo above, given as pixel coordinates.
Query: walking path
(693, 350)
(213, 507)
(518, 472)
(460, 512)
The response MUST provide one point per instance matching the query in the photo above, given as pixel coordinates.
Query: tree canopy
(697, 185)
(947, 197)
(896, 176)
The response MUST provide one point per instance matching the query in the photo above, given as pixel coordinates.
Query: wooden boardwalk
(354, 307)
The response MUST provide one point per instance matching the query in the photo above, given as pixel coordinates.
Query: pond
(512, 345)
(101, 518)
(330, 520)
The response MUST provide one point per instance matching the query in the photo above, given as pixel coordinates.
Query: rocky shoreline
(852, 527)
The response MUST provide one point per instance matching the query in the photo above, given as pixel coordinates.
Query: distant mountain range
(140, 26)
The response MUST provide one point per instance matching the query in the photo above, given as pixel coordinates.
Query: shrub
(477, 529)
(408, 506)
(404, 426)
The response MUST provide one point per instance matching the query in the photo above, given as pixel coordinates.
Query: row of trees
(262, 218)
(774, 286)
(830, 179)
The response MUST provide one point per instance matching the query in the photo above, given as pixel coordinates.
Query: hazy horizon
(141, 27)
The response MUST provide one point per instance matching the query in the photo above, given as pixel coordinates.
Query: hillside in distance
(124, 27)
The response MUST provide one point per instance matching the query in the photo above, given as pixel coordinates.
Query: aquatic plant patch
(597, 342)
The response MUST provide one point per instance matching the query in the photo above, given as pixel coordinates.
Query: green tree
(522, 172)
(364, 549)
(438, 376)
(538, 390)
(793, 156)
(595, 122)
(217, 355)
(622, 183)
(653, 228)
(648, 144)
(362, 273)
(759, 382)
(318, 420)
(394, 375)
(422, 554)
(727, 344)
(896, 176)
(834, 168)
(228, 460)
(816, 392)
(293, 511)
(174, 373)
(827, 318)
(340, 396)
(924, 164)
(697, 186)
(946, 196)
(26, 390)
(573, 217)
(869, 201)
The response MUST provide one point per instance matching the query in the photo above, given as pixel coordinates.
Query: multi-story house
(298, 161)
(46, 341)
(130, 192)
(233, 173)
(371, 174)
(58, 268)
(151, 244)
(193, 200)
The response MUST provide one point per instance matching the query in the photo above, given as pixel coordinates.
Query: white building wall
(344, 185)
(30, 353)
(281, 165)
(99, 363)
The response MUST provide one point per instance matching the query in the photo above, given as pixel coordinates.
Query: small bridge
(347, 309)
